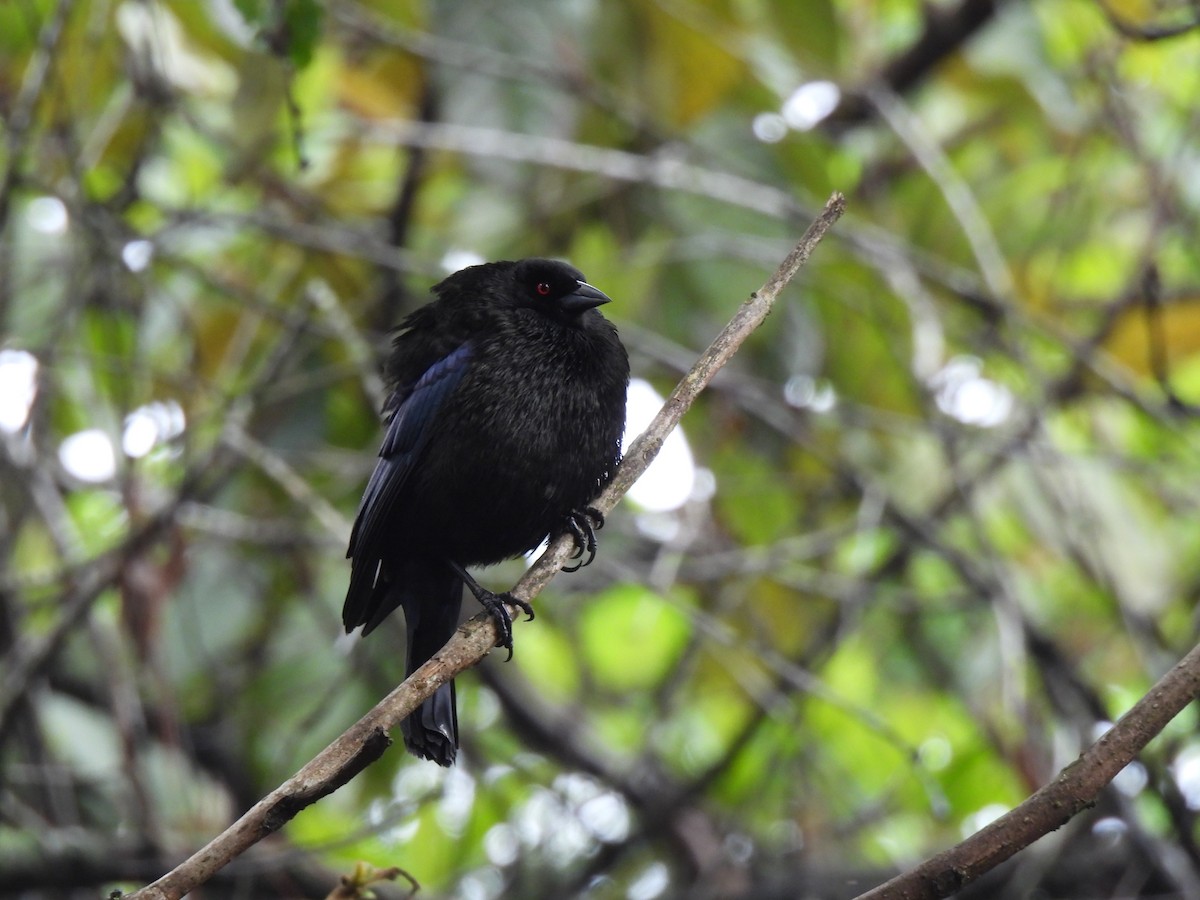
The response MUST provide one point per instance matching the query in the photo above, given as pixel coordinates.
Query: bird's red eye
(543, 288)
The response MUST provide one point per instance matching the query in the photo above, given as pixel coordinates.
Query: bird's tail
(431, 597)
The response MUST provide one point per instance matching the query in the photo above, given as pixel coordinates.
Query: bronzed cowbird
(504, 420)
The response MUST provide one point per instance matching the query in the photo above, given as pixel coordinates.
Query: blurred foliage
(944, 525)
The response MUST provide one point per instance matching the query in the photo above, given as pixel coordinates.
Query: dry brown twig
(366, 740)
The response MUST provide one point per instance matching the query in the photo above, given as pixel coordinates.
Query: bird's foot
(496, 606)
(583, 525)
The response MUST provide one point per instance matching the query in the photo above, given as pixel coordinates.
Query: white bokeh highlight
(47, 215)
(669, 481)
(962, 393)
(137, 255)
(150, 425)
(18, 388)
(88, 455)
(810, 104)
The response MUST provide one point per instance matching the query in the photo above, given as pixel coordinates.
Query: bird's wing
(407, 433)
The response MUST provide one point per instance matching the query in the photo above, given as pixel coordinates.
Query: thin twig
(19, 126)
(963, 204)
(664, 169)
(366, 740)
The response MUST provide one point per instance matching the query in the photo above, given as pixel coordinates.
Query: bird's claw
(583, 525)
(496, 606)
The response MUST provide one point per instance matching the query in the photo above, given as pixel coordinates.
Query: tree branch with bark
(1074, 789)
(366, 741)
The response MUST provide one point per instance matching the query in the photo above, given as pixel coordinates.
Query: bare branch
(366, 740)
(1149, 32)
(1075, 789)
(946, 29)
(662, 169)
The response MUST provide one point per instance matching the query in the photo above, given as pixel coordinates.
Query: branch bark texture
(366, 740)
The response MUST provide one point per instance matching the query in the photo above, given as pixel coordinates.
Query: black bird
(504, 420)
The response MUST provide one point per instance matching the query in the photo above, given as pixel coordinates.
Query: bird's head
(555, 288)
(547, 286)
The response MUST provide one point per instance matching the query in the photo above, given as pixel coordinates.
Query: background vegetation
(940, 527)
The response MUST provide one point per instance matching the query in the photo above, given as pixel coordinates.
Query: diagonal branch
(946, 29)
(1075, 789)
(366, 740)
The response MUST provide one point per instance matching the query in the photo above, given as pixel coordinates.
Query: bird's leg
(580, 524)
(495, 605)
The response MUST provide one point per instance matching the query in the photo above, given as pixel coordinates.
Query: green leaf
(303, 19)
(549, 660)
(293, 27)
(251, 10)
(632, 636)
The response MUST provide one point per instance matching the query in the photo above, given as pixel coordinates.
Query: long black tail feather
(431, 596)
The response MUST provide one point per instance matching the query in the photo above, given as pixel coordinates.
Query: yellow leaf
(1177, 330)
(690, 72)
(381, 86)
(1133, 12)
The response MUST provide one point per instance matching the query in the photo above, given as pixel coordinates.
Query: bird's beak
(584, 297)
